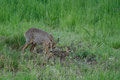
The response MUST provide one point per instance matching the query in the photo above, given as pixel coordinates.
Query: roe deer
(59, 53)
(35, 37)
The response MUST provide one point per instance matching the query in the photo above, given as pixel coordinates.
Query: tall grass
(94, 22)
(90, 16)
(63, 13)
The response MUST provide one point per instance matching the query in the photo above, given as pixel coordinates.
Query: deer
(35, 37)
(59, 53)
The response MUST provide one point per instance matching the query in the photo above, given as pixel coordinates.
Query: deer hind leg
(32, 47)
(26, 45)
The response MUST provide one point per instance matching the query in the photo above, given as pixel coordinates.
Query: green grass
(93, 22)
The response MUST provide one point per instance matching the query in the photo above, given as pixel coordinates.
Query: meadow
(90, 27)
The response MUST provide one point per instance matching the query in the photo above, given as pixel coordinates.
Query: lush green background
(96, 23)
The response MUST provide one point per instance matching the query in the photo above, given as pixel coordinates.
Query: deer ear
(57, 40)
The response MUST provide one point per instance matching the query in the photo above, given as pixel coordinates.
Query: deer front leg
(46, 46)
(44, 57)
(44, 54)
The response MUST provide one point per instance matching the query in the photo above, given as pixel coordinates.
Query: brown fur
(59, 53)
(35, 37)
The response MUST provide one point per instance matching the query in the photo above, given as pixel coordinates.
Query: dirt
(88, 59)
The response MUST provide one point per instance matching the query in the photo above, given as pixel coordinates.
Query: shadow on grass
(116, 45)
(15, 42)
